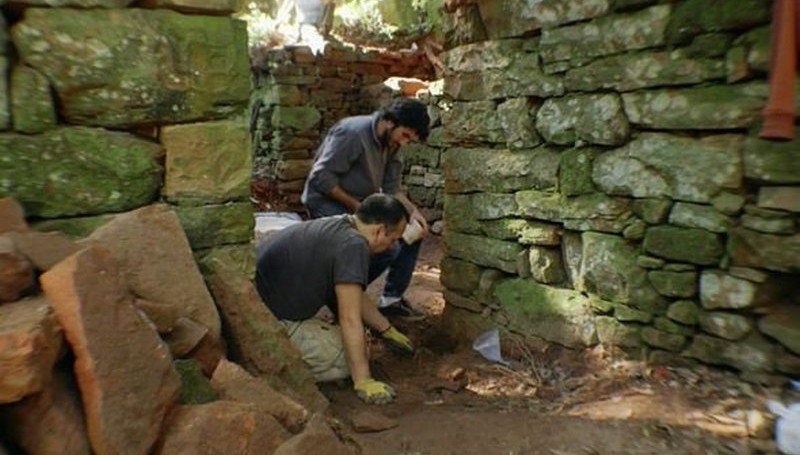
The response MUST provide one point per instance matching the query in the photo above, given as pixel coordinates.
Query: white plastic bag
(787, 427)
(488, 345)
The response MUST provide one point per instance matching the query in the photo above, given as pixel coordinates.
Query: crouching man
(326, 262)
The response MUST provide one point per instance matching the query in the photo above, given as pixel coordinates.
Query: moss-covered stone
(300, 118)
(780, 253)
(674, 284)
(525, 232)
(464, 26)
(459, 275)
(730, 326)
(663, 340)
(575, 171)
(74, 227)
(5, 111)
(484, 251)
(32, 108)
(624, 313)
(210, 226)
(684, 311)
(596, 119)
(546, 265)
(207, 162)
(78, 171)
(195, 387)
(517, 118)
(607, 35)
(667, 325)
(585, 212)
(460, 216)
(628, 72)
(240, 257)
(77, 3)
(752, 354)
(656, 164)
(614, 333)
(693, 17)
(473, 122)
(649, 262)
(652, 210)
(697, 246)
(719, 107)
(508, 18)
(784, 326)
(635, 230)
(499, 171)
(559, 315)
(219, 7)
(699, 216)
(773, 161)
(709, 45)
(768, 225)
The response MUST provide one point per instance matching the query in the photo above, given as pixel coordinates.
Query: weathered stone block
(32, 108)
(720, 290)
(635, 230)
(74, 171)
(674, 284)
(195, 388)
(499, 171)
(300, 118)
(609, 269)
(614, 333)
(43, 250)
(288, 170)
(559, 315)
(30, 340)
(697, 246)
(420, 154)
(114, 372)
(596, 119)
(768, 225)
(12, 217)
(728, 203)
(484, 251)
(76, 3)
(157, 67)
(624, 313)
(656, 164)
(5, 111)
(780, 197)
(721, 107)
(784, 326)
(460, 215)
(459, 275)
(546, 265)
(666, 325)
(773, 161)
(221, 427)
(16, 272)
(474, 122)
(585, 212)
(649, 262)
(694, 17)
(780, 253)
(151, 248)
(517, 118)
(684, 311)
(525, 232)
(73, 227)
(464, 26)
(575, 171)
(653, 211)
(317, 437)
(221, 7)
(607, 35)
(210, 226)
(729, 326)
(628, 72)
(207, 162)
(663, 340)
(699, 216)
(506, 18)
(752, 354)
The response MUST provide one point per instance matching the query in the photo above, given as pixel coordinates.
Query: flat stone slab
(44, 249)
(122, 367)
(154, 254)
(30, 340)
(221, 427)
(784, 326)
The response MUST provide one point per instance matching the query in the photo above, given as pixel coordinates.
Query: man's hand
(397, 340)
(416, 215)
(374, 392)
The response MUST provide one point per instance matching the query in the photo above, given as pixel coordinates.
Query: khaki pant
(320, 344)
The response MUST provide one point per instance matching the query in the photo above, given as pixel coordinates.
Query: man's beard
(386, 138)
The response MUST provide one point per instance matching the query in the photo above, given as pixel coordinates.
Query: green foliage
(387, 22)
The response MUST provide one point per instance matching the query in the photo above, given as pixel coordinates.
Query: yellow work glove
(374, 392)
(397, 340)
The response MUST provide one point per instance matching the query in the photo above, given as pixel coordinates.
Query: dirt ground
(548, 400)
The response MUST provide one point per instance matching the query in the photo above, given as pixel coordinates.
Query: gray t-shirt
(298, 268)
(352, 157)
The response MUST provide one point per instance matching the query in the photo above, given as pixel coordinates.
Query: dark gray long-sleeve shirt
(352, 157)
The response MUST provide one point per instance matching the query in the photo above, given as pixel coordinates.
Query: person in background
(359, 157)
(326, 262)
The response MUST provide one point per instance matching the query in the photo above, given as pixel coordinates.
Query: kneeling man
(326, 262)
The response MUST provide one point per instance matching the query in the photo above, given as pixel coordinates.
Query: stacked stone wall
(605, 182)
(106, 107)
(300, 94)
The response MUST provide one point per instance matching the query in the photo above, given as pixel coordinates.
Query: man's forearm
(371, 316)
(343, 197)
(348, 297)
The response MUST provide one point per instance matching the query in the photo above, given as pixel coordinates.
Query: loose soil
(549, 400)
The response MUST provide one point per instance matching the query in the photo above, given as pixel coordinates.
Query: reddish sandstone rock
(317, 438)
(208, 354)
(12, 217)
(257, 340)
(30, 341)
(233, 383)
(44, 249)
(48, 422)
(184, 336)
(16, 272)
(153, 252)
(221, 427)
(122, 367)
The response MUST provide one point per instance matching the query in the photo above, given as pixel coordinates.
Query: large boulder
(123, 369)
(156, 260)
(157, 67)
(30, 341)
(559, 315)
(207, 162)
(221, 427)
(77, 171)
(256, 339)
(656, 164)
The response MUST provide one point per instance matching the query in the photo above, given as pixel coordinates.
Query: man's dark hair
(382, 209)
(408, 112)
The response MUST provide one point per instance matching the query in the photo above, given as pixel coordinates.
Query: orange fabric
(779, 112)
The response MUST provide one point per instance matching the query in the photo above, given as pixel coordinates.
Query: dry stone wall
(605, 182)
(300, 94)
(105, 108)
